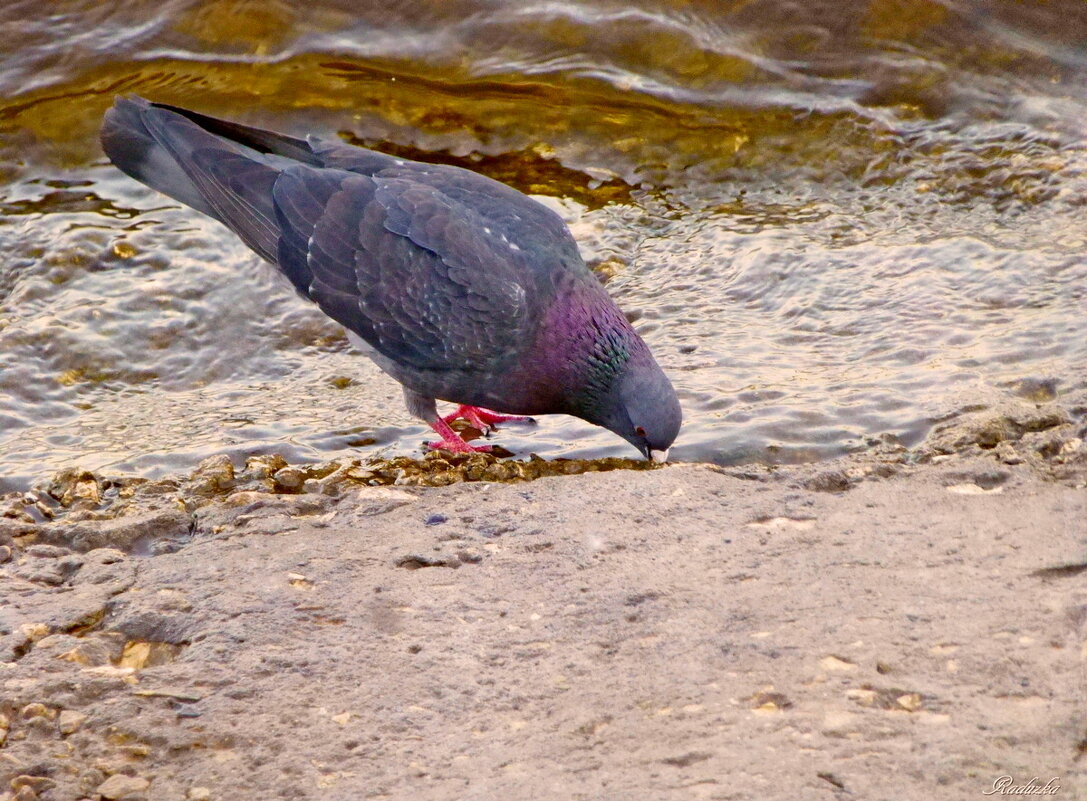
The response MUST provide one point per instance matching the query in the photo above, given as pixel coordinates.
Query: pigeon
(459, 287)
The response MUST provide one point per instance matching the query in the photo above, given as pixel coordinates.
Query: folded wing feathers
(391, 250)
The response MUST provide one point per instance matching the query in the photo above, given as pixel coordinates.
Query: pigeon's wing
(525, 223)
(516, 221)
(408, 269)
(338, 155)
(436, 267)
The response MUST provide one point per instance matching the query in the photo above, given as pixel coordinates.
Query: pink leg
(483, 419)
(451, 440)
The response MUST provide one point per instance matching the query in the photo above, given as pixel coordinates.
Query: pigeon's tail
(130, 144)
(222, 169)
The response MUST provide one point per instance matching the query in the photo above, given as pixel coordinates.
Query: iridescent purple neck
(583, 346)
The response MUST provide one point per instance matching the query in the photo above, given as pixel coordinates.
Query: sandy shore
(900, 625)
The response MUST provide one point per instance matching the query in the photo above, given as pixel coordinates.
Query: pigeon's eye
(639, 431)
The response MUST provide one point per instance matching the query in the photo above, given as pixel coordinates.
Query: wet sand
(901, 624)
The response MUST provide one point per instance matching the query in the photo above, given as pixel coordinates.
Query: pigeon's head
(643, 409)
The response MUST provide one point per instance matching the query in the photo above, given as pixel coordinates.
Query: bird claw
(452, 441)
(458, 446)
(483, 419)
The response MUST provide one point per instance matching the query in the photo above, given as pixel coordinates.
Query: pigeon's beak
(660, 457)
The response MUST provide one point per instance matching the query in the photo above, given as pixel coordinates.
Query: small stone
(1007, 454)
(70, 721)
(89, 779)
(213, 476)
(863, 697)
(836, 664)
(5, 554)
(360, 474)
(289, 480)
(769, 701)
(120, 787)
(38, 784)
(34, 631)
(76, 487)
(199, 794)
(829, 481)
(299, 582)
(911, 702)
(264, 466)
(37, 710)
(436, 520)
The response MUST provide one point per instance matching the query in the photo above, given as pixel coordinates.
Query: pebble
(25, 794)
(74, 485)
(199, 794)
(34, 631)
(38, 784)
(120, 787)
(89, 779)
(37, 710)
(212, 476)
(260, 467)
(70, 721)
(5, 554)
(911, 702)
(828, 481)
(1007, 454)
(289, 479)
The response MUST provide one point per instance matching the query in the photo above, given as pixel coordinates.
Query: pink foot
(483, 419)
(451, 440)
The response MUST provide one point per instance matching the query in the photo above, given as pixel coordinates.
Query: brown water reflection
(833, 221)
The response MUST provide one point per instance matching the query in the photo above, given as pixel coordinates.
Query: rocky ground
(898, 625)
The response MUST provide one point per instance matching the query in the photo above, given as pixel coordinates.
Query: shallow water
(832, 222)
